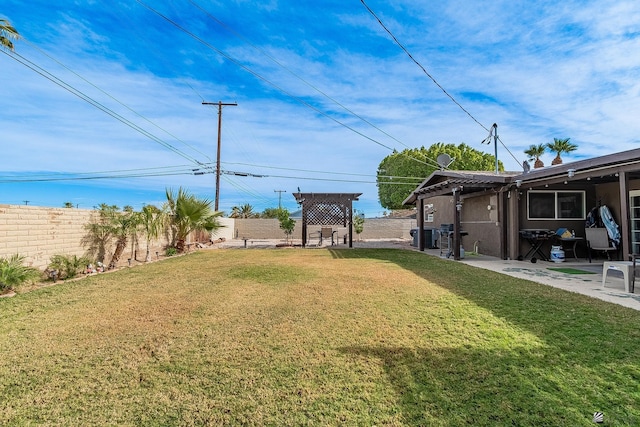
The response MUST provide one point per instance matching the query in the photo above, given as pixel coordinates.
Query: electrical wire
(44, 73)
(395, 39)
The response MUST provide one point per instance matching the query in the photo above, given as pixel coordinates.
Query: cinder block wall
(38, 232)
(375, 228)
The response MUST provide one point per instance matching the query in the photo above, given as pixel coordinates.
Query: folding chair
(598, 240)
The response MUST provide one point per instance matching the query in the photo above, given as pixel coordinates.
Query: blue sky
(323, 92)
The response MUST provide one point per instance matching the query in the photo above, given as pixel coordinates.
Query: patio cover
(326, 209)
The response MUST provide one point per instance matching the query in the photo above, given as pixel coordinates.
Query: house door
(634, 217)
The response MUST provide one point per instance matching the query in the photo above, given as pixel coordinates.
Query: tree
(100, 232)
(68, 205)
(358, 222)
(560, 146)
(152, 222)
(400, 172)
(244, 211)
(534, 152)
(122, 225)
(187, 213)
(7, 34)
(287, 224)
(274, 213)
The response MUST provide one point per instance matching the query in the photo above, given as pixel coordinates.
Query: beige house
(496, 214)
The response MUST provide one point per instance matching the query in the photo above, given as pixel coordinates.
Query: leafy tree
(534, 152)
(287, 224)
(14, 273)
(68, 205)
(152, 222)
(400, 172)
(187, 213)
(358, 222)
(7, 34)
(560, 146)
(274, 213)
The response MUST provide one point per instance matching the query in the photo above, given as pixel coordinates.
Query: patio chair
(598, 240)
(326, 233)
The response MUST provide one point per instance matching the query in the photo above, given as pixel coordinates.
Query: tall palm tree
(188, 213)
(152, 221)
(560, 146)
(534, 152)
(7, 33)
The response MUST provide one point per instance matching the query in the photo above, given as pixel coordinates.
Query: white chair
(598, 240)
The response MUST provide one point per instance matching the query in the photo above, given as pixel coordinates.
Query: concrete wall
(41, 232)
(375, 228)
(38, 233)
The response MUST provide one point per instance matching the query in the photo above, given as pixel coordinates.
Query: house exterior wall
(481, 223)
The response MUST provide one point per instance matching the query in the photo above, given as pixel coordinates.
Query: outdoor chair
(326, 233)
(598, 240)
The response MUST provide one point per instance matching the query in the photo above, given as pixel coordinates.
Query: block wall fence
(41, 232)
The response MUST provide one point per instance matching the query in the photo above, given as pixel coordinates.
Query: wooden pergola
(326, 209)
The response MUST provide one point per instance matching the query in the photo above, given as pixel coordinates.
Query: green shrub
(170, 251)
(67, 266)
(14, 273)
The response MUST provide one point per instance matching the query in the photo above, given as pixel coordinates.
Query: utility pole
(279, 197)
(220, 104)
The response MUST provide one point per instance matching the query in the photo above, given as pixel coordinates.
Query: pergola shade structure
(326, 209)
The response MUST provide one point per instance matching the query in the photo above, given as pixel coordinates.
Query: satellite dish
(526, 167)
(444, 160)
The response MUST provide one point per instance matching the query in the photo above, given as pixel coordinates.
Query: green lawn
(315, 337)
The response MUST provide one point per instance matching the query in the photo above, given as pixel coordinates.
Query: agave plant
(13, 272)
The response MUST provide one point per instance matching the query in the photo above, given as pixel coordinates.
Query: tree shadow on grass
(590, 359)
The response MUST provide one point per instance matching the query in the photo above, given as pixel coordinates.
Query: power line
(44, 73)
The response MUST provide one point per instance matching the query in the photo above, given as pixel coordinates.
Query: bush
(14, 273)
(67, 266)
(170, 251)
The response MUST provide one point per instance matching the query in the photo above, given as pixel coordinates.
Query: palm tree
(152, 220)
(100, 232)
(188, 213)
(122, 225)
(560, 146)
(244, 211)
(7, 33)
(534, 152)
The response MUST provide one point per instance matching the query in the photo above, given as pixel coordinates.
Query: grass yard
(315, 337)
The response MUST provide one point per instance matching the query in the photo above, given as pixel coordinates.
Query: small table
(572, 247)
(536, 238)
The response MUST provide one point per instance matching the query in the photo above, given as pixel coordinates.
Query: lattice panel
(326, 213)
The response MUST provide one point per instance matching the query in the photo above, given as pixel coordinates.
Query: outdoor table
(573, 243)
(536, 238)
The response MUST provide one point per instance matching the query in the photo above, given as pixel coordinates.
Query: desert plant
(67, 266)
(14, 273)
(100, 232)
(187, 213)
(560, 146)
(534, 152)
(170, 251)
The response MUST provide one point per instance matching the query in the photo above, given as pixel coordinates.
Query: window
(556, 204)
